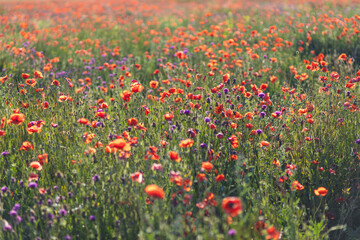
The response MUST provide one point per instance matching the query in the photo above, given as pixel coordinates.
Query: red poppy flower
(17, 118)
(174, 156)
(232, 206)
(186, 143)
(169, 116)
(207, 166)
(125, 95)
(120, 144)
(321, 191)
(138, 177)
(132, 122)
(36, 165)
(154, 191)
(264, 143)
(25, 75)
(84, 121)
(26, 146)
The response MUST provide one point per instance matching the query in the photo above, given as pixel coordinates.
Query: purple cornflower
(18, 219)
(32, 185)
(5, 153)
(231, 232)
(99, 124)
(261, 95)
(7, 227)
(63, 212)
(203, 145)
(13, 213)
(96, 178)
(16, 206)
(50, 216)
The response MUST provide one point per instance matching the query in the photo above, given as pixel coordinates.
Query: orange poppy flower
(109, 149)
(84, 121)
(3, 79)
(17, 118)
(2, 121)
(55, 83)
(154, 191)
(25, 75)
(232, 206)
(30, 82)
(264, 143)
(38, 74)
(36, 165)
(120, 144)
(132, 122)
(125, 95)
(43, 158)
(186, 143)
(34, 129)
(136, 87)
(26, 146)
(273, 233)
(226, 77)
(342, 57)
(321, 191)
(220, 178)
(169, 116)
(296, 185)
(201, 177)
(102, 115)
(207, 166)
(154, 84)
(174, 156)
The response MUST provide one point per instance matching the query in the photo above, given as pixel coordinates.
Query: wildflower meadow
(219, 119)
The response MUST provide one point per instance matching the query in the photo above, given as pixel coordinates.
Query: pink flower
(157, 167)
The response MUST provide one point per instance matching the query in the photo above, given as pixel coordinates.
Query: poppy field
(179, 119)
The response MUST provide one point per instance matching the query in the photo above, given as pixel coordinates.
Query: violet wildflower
(4, 189)
(261, 95)
(231, 232)
(203, 145)
(32, 185)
